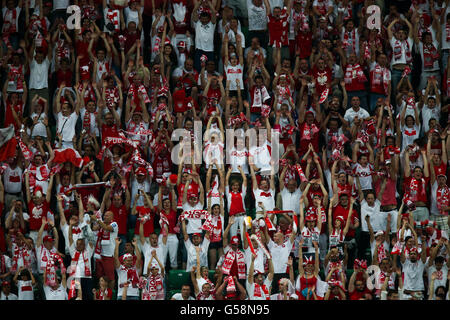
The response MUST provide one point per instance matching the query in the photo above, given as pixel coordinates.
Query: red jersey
(309, 134)
(121, 217)
(279, 29)
(110, 131)
(304, 42)
(322, 77)
(161, 165)
(341, 211)
(171, 218)
(148, 215)
(354, 78)
(64, 76)
(9, 118)
(36, 213)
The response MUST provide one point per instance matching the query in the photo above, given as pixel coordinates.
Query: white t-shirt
(192, 254)
(291, 200)
(435, 66)
(257, 17)
(262, 196)
(444, 43)
(413, 272)
(88, 252)
(251, 290)
(280, 254)
(402, 58)
(259, 261)
(233, 73)
(232, 38)
(239, 158)
(39, 129)
(193, 225)
(25, 290)
(261, 156)
(409, 135)
(8, 17)
(366, 181)
(377, 218)
(441, 279)
(11, 296)
(108, 245)
(147, 252)
(12, 179)
(59, 294)
(350, 114)
(178, 296)
(39, 74)
(430, 113)
(66, 126)
(204, 36)
(122, 275)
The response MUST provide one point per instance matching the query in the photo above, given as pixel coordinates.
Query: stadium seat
(177, 278)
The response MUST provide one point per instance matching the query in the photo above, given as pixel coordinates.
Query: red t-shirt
(279, 29)
(341, 211)
(121, 217)
(64, 76)
(149, 224)
(9, 118)
(110, 131)
(36, 213)
(322, 78)
(421, 196)
(172, 218)
(304, 43)
(161, 166)
(356, 295)
(309, 134)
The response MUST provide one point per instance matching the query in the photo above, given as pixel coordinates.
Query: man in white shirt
(204, 26)
(6, 293)
(355, 111)
(290, 194)
(12, 182)
(39, 65)
(154, 243)
(257, 287)
(185, 293)
(191, 245)
(257, 21)
(279, 250)
(413, 268)
(128, 271)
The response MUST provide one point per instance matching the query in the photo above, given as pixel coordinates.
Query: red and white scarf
(229, 259)
(442, 198)
(33, 177)
(195, 214)
(346, 38)
(20, 253)
(87, 120)
(131, 276)
(414, 186)
(430, 55)
(447, 31)
(50, 268)
(309, 131)
(259, 96)
(381, 74)
(398, 48)
(152, 288)
(214, 225)
(9, 21)
(74, 263)
(101, 235)
(354, 72)
(261, 289)
(113, 17)
(381, 252)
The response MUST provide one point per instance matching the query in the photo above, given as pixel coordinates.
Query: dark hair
(215, 205)
(439, 259)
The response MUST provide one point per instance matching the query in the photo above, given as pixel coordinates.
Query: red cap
(181, 44)
(234, 240)
(48, 238)
(141, 171)
(173, 178)
(311, 217)
(197, 234)
(160, 29)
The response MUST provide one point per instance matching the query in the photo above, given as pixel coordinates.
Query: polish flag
(70, 155)
(7, 143)
(324, 95)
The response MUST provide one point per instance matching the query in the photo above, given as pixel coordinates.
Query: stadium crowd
(312, 164)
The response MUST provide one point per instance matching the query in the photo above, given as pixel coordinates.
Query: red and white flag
(70, 155)
(7, 143)
(324, 95)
